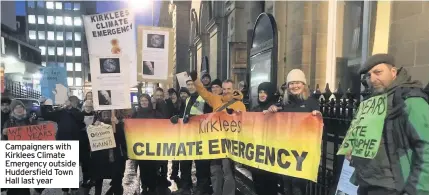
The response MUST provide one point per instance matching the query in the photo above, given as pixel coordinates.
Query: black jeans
(295, 186)
(203, 175)
(148, 174)
(375, 190)
(186, 174)
(266, 183)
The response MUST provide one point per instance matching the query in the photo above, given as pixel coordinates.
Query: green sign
(365, 132)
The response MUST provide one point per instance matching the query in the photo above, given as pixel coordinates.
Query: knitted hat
(296, 75)
(375, 60)
(15, 103)
(216, 82)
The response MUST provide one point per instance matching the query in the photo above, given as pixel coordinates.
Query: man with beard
(5, 110)
(401, 165)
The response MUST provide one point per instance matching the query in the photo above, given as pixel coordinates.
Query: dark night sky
(142, 18)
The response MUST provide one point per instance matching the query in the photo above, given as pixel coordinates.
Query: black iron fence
(19, 90)
(338, 109)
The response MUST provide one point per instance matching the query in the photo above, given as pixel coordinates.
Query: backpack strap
(226, 105)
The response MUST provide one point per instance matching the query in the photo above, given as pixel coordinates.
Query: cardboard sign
(44, 131)
(101, 137)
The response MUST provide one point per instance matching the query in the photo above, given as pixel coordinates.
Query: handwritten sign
(44, 131)
(54, 84)
(101, 137)
(364, 135)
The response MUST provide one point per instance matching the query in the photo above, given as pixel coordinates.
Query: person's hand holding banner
(174, 119)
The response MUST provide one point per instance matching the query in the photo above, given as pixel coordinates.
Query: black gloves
(174, 119)
(185, 119)
(193, 75)
(229, 111)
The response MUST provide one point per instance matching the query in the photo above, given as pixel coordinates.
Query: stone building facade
(328, 40)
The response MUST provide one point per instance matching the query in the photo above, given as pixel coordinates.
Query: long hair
(304, 95)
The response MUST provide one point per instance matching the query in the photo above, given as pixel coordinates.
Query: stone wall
(409, 37)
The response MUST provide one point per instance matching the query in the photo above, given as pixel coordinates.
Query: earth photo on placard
(109, 65)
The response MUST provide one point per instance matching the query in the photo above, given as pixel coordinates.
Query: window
(58, 5)
(61, 64)
(41, 19)
(69, 36)
(51, 51)
(41, 4)
(78, 81)
(49, 5)
(60, 36)
(44, 64)
(76, 6)
(69, 51)
(59, 20)
(51, 35)
(31, 4)
(70, 81)
(77, 51)
(77, 36)
(32, 34)
(77, 21)
(69, 66)
(60, 51)
(68, 21)
(50, 20)
(41, 35)
(43, 51)
(68, 6)
(31, 19)
(77, 67)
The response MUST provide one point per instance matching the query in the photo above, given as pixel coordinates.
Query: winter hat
(375, 60)
(216, 82)
(184, 89)
(206, 75)
(296, 75)
(270, 89)
(15, 103)
(5, 100)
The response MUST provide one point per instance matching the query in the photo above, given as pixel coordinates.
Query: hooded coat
(270, 89)
(217, 101)
(160, 112)
(402, 161)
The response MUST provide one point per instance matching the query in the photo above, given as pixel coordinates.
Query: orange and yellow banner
(283, 143)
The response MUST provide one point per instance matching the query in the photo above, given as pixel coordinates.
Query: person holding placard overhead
(296, 98)
(400, 162)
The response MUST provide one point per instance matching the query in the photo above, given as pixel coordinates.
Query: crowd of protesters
(400, 167)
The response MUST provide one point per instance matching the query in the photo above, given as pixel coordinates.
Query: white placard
(344, 186)
(39, 164)
(182, 78)
(155, 54)
(101, 137)
(113, 33)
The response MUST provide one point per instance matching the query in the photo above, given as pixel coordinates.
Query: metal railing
(337, 109)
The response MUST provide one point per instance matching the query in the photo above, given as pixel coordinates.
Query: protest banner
(364, 135)
(101, 137)
(43, 131)
(2, 84)
(155, 56)
(112, 55)
(283, 143)
(54, 84)
(182, 78)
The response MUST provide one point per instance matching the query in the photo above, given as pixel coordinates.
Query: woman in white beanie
(296, 99)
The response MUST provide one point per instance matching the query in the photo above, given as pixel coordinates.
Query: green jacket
(402, 162)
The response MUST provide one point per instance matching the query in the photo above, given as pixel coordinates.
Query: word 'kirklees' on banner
(43, 131)
(39, 164)
(101, 137)
(283, 143)
(113, 33)
(364, 135)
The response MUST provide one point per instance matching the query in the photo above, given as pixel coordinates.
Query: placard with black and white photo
(109, 82)
(155, 54)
